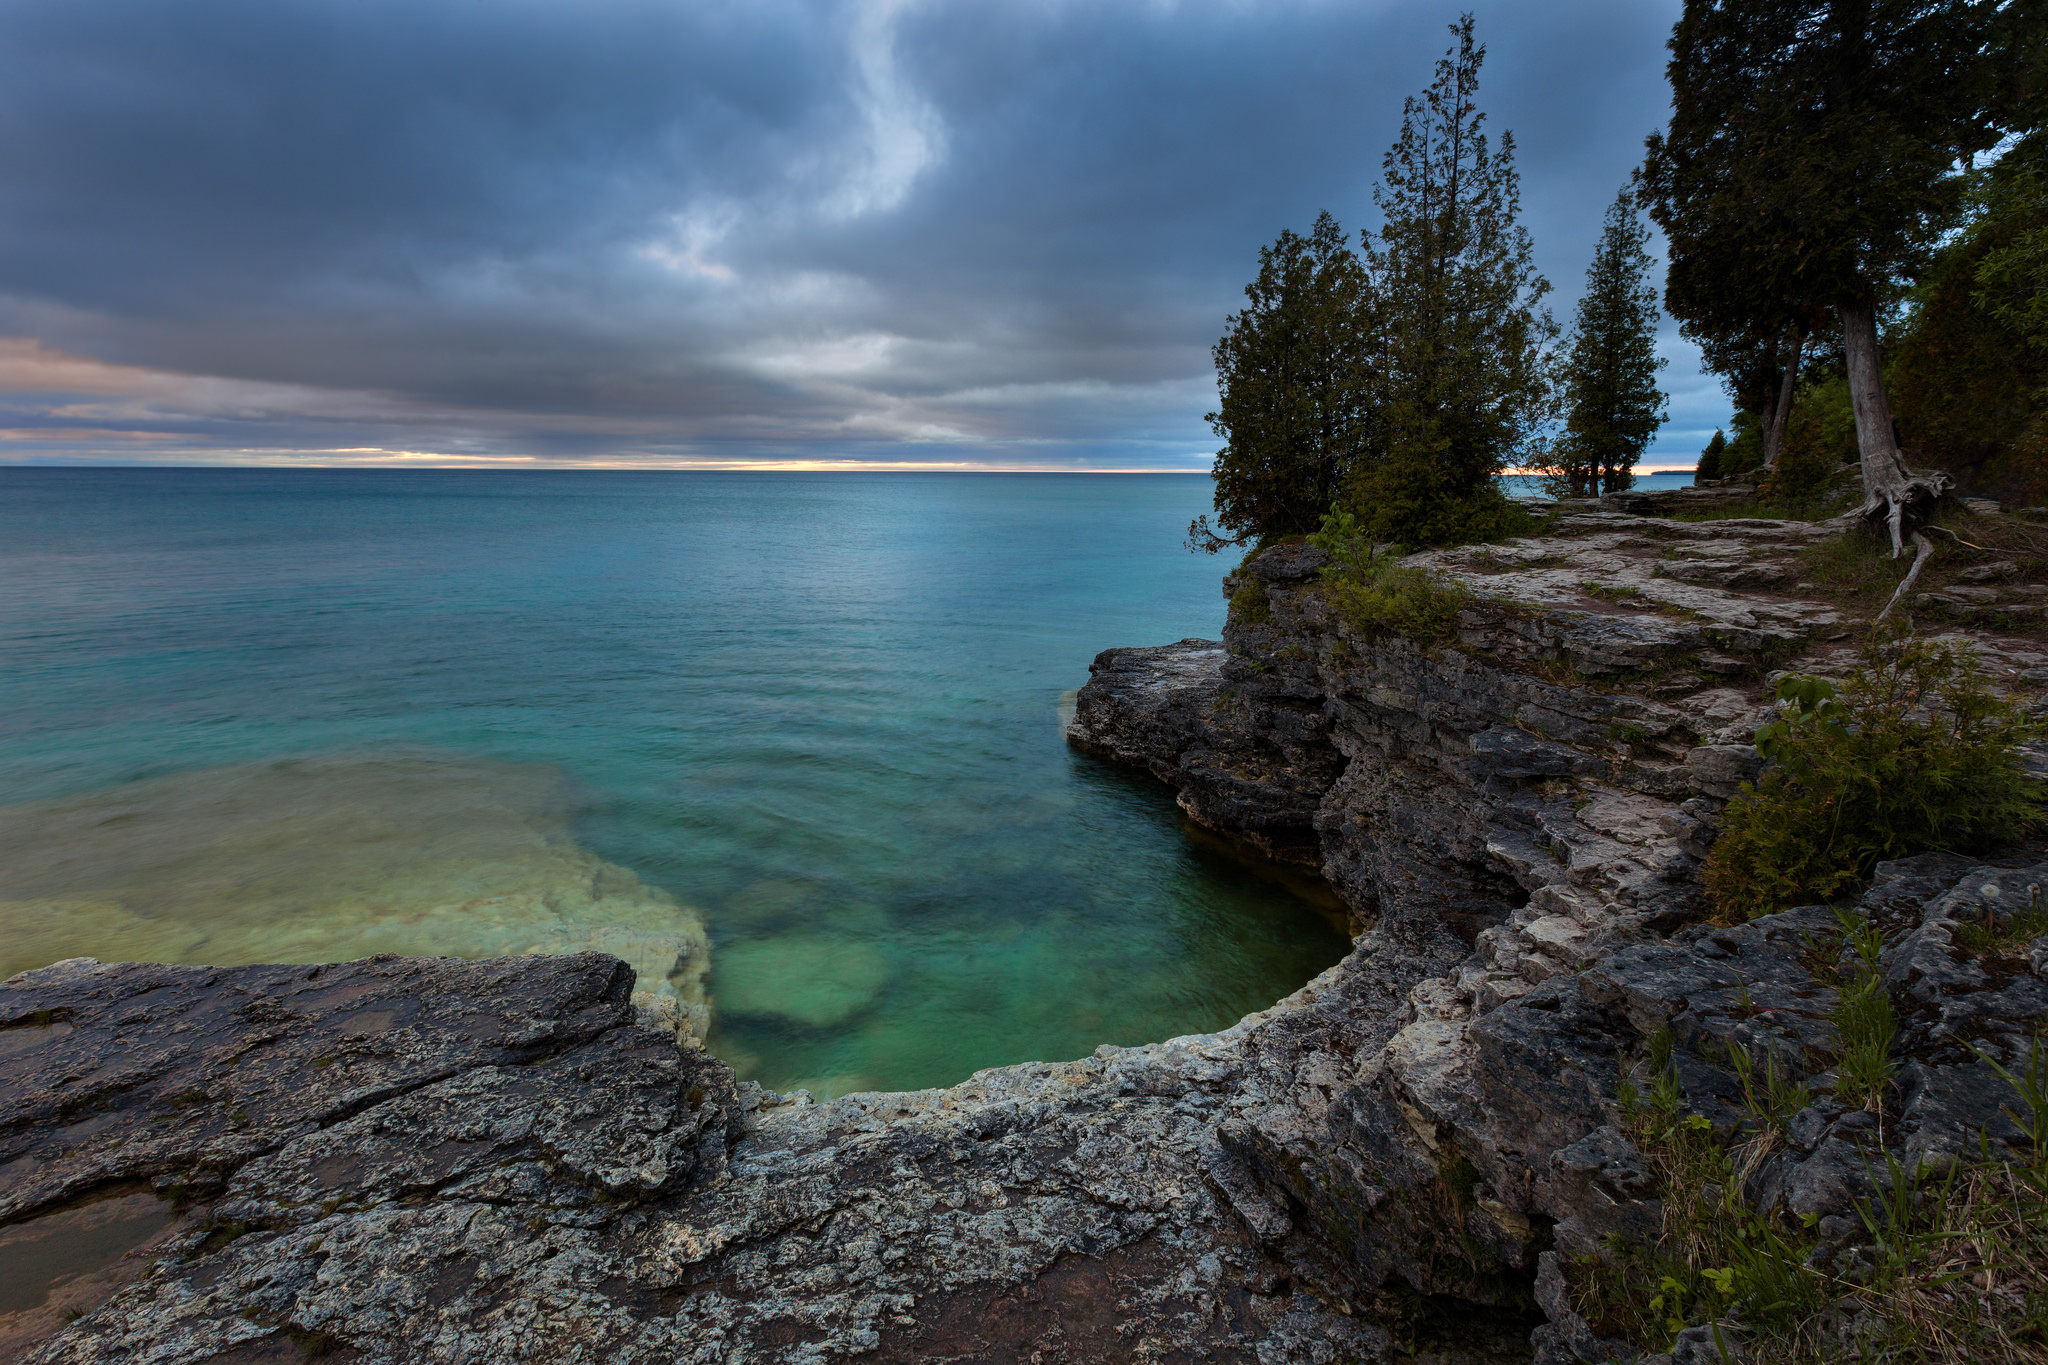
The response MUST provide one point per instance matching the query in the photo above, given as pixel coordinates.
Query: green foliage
(1912, 752)
(1421, 503)
(1820, 437)
(1811, 155)
(1863, 1020)
(1398, 386)
(1374, 594)
(1969, 367)
(1951, 1266)
(2012, 273)
(1710, 458)
(1612, 404)
(1464, 348)
(1292, 373)
(1746, 451)
(1249, 603)
(1772, 1098)
(1810, 167)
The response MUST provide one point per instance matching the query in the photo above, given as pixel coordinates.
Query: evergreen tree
(1968, 370)
(1464, 345)
(1292, 373)
(1612, 404)
(1710, 458)
(1811, 163)
(2013, 273)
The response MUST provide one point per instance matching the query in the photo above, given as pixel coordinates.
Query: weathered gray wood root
(1922, 548)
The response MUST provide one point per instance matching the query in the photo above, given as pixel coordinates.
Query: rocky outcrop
(1527, 806)
(432, 1160)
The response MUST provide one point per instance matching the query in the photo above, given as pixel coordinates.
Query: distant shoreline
(1641, 471)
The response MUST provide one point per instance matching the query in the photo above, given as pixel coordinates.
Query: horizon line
(532, 464)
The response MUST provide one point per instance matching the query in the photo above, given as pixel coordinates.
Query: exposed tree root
(1923, 548)
(1944, 531)
(1902, 502)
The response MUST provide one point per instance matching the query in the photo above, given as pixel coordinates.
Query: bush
(1416, 502)
(1372, 592)
(1913, 752)
(1745, 449)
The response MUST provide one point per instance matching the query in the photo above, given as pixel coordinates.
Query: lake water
(302, 715)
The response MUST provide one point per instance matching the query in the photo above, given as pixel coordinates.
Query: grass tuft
(1941, 1267)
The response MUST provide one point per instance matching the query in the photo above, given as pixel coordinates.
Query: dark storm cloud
(686, 230)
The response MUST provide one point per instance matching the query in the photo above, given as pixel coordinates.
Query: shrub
(1372, 592)
(1913, 752)
(1415, 501)
(1820, 438)
(1745, 449)
(1249, 603)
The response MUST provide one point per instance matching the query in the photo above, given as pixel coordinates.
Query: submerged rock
(325, 859)
(808, 979)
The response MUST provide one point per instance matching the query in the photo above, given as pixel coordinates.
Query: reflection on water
(324, 859)
(816, 713)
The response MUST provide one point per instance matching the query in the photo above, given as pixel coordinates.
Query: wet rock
(440, 1160)
(183, 1074)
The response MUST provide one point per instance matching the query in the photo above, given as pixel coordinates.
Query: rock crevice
(431, 1160)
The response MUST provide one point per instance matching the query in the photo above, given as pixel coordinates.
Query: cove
(265, 715)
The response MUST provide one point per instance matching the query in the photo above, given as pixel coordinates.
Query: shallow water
(259, 715)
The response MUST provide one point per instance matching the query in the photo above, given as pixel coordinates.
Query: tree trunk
(1777, 418)
(1890, 490)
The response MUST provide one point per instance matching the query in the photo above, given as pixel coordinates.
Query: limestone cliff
(429, 1160)
(1523, 810)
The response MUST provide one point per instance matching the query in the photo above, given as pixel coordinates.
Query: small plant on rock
(1249, 603)
(1372, 592)
(1911, 752)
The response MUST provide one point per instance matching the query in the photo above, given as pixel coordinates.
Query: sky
(724, 233)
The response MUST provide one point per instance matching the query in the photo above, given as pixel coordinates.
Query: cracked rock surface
(406, 1160)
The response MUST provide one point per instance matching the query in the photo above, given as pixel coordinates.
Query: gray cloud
(625, 230)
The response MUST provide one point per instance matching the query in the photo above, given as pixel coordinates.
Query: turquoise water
(818, 713)
(1524, 486)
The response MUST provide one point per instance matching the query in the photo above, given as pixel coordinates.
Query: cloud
(999, 232)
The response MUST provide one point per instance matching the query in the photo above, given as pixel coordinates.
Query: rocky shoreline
(432, 1160)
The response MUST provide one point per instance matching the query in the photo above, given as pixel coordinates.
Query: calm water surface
(257, 715)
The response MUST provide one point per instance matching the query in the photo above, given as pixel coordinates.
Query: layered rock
(430, 1160)
(1527, 806)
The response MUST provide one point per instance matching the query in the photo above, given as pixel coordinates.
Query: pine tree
(1292, 373)
(1464, 343)
(1612, 404)
(1811, 163)
(1710, 458)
